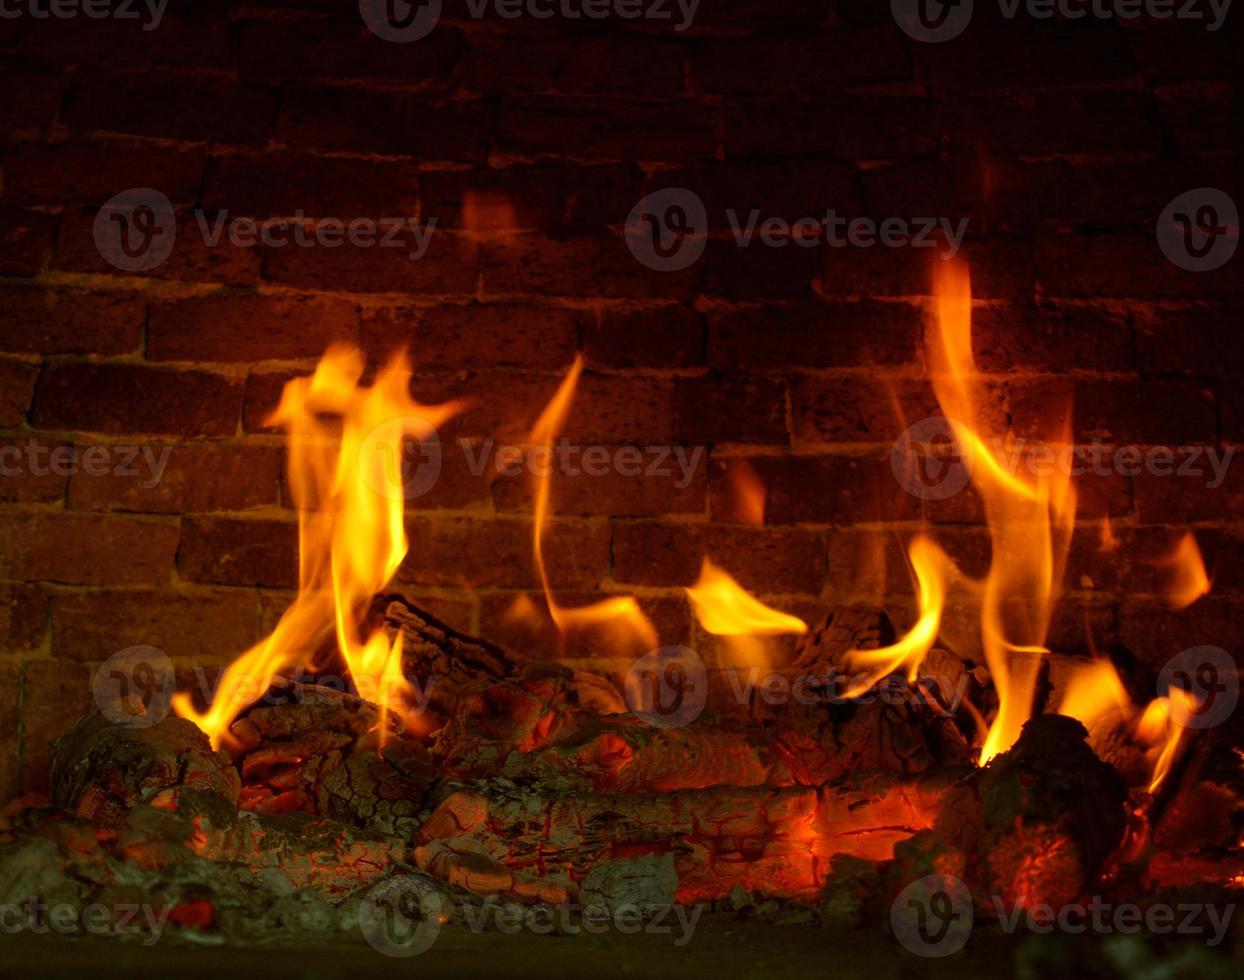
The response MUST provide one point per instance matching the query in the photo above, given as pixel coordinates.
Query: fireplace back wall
(529, 142)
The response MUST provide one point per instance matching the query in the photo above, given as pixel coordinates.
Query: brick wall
(529, 142)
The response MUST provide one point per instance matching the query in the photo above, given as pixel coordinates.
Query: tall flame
(1030, 520)
(346, 449)
(620, 615)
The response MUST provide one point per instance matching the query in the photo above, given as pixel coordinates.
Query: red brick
(91, 172)
(17, 385)
(125, 398)
(184, 37)
(771, 560)
(263, 394)
(800, 63)
(864, 127)
(578, 267)
(1066, 121)
(605, 409)
(1001, 269)
(329, 48)
(34, 469)
(476, 337)
(470, 553)
(1198, 342)
(1156, 633)
(55, 695)
(604, 128)
(1180, 50)
(170, 106)
(867, 410)
(247, 327)
(503, 64)
(93, 626)
(195, 478)
(379, 121)
(194, 258)
(30, 95)
(23, 617)
(663, 336)
(450, 266)
(39, 320)
(1175, 499)
(236, 551)
(10, 731)
(730, 409)
(790, 189)
(1103, 266)
(271, 183)
(832, 490)
(758, 272)
(544, 197)
(25, 241)
(1146, 412)
(86, 549)
(521, 621)
(630, 482)
(1050, 338)
(814, 334)
(1197, 117)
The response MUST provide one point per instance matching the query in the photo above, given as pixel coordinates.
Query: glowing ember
(346, 447)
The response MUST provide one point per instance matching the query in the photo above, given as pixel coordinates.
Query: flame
(346, 447)
(628, 626)
(725, 608)
(929, 565)
(1188, 578)
(747, 492)
(1095, 695)
(1030, 520)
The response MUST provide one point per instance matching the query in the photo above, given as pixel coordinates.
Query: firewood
(101, 771)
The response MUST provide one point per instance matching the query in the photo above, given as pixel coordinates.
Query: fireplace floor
(723, 946)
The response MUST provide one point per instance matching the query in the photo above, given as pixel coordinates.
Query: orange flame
(1030, 520)
(747, 492)
(725, 608)
(1188, 578)
(346, 447)
(629, 626)
(929, 565)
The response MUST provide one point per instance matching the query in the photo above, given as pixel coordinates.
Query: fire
(1095, 696)
(1030, 520)
(929, 565)
(346, 448)
(747, 492)
(1188, 578)
(621, 616)
(725, 608)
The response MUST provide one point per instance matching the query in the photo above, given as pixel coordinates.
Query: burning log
(327, 753)
(1034, 827)
(100, 771)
